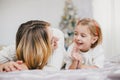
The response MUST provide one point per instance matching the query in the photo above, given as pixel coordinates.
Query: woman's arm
(7, 54)
(13, 66)
(7, 57)
(10, 66)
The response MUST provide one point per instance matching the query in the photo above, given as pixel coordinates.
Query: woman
(37, 47)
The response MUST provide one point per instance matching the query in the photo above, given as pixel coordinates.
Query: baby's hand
(75, 53)
(76, 56)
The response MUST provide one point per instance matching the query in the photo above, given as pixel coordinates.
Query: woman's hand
(10, 66)
(23, 66)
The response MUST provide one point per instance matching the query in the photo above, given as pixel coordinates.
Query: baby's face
(83, 38)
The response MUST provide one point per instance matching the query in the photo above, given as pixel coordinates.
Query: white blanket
(111, 71)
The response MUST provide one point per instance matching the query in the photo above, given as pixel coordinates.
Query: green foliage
(68, 22)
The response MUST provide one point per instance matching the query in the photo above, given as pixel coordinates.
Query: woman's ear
(94, 39)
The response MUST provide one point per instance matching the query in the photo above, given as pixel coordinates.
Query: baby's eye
(75, 33)
(83, 35)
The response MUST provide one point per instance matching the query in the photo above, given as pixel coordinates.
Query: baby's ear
(95, 38)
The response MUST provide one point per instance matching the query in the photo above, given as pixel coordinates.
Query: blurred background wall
(106, 12)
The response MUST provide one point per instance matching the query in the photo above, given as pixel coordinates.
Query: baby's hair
(94, 28)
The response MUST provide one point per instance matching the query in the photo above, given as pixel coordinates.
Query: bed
(111, 71)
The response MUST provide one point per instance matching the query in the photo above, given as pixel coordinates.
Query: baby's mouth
(79, 44)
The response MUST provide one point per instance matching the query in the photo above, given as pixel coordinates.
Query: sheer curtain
(107, 13)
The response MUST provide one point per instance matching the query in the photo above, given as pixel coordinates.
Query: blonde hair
(33, 46)
(94, 28)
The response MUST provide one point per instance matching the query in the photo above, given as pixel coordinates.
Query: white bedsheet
(111, 71)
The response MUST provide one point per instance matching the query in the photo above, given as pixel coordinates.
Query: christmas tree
(68, 21)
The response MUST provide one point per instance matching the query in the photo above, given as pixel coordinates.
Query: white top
(55, 61)
(92, 57)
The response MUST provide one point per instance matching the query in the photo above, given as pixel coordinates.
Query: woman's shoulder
(8, 49)
(11, 47)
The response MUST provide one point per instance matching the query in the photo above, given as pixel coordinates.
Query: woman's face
(53, 39)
